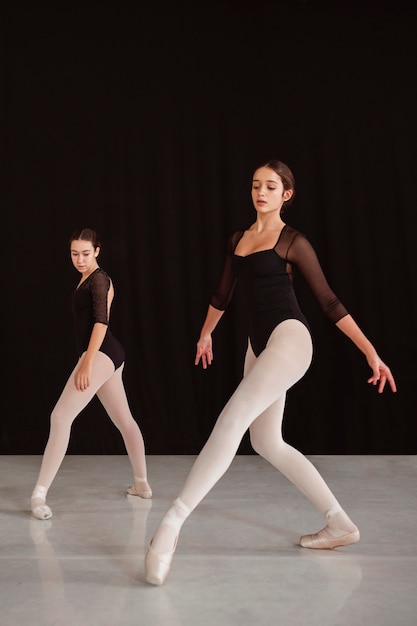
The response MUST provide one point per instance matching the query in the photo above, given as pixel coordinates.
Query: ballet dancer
(98, 372)
(264, 258)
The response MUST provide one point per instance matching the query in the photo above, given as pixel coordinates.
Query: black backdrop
(145, 121)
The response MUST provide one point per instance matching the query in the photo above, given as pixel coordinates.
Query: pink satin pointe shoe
(340, 531)
(146, 493)
(325, 540)
(157, 565)
(335, 534)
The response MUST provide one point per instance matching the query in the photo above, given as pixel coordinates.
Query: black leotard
(267, 278)
(89, 305)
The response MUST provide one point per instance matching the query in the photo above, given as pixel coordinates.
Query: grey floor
(237, 561)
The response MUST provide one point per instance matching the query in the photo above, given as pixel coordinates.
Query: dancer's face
(268, 193)
(84, 256)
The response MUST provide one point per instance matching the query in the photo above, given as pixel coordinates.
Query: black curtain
(145, 122)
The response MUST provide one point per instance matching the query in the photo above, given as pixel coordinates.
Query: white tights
(107, 384)
(257, 404)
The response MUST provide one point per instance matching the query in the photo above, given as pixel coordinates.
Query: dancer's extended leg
(69, 405)
(266, 439)
(112, 395)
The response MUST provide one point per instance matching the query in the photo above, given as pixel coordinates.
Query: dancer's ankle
(39, 493)
(165, 537)
(140, 484)
(338, 521)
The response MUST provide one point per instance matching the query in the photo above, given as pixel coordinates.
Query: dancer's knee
(60, 418)
(258, 443)
(128, 427)
(267, 445)
(230, 426)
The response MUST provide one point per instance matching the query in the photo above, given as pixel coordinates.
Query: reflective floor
(237, 560)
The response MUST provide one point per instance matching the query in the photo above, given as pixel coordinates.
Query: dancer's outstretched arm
(381, 373)
(204, 344)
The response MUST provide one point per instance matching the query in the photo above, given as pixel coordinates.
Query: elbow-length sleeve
(301, 253)
(224, 292)
(99, 288)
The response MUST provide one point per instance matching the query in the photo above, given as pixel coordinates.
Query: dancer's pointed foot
(140, 488)
(339, 531)
(161, 550)
(40, 510)
(157, 565)
(324, 540)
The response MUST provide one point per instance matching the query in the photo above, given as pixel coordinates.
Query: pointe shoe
(325, 540)
(40, 511)
(146, 493)
(157, 566)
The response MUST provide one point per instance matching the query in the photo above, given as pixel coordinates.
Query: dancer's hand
(204, 351)
(82, 376)
(381, 374)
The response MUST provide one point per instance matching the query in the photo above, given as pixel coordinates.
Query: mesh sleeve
(299, 252)
(223, 294)
(99, 287)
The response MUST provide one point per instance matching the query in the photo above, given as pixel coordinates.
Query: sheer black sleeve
(225, 288)
(99, 288)
(297, 250)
